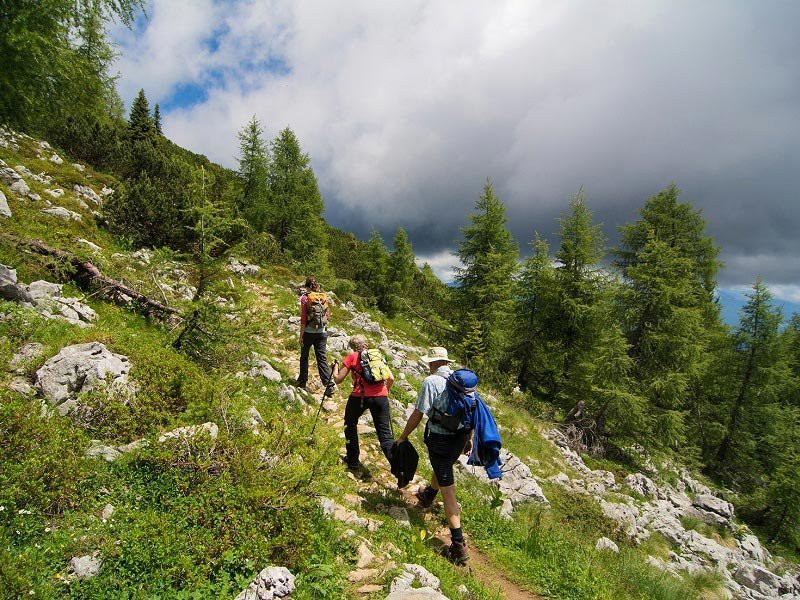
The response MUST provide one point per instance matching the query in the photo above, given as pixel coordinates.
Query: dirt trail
(482, 569)
(479, 566)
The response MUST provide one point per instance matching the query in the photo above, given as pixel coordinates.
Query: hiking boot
(330, 390)
(456, 553)
(426, 496)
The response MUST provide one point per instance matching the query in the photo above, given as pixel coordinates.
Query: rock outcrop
(78, 369)
(269, 584)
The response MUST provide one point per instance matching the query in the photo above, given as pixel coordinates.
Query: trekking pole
(316, 418)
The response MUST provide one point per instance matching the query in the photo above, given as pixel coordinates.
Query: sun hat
(435, 354)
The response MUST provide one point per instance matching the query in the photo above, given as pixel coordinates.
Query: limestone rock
(84, 191)
(10, 289)
(518, 483)
(108, 510)
(400, 514)
(261, 368)
(606, 544)
(5, 210)
(242, 267)
(106, 191)
(365, 556)
(92, 246)
(78, 167)
(757, 578)
(363, 322)
(191, 431)
(402, 586)
(270, 583)
(55, 193)
(20, 187)
(99, 450)
(56, 159)
(26, 353)
(80, 368)
(623, 514)
(643, 485)
(713, 504)
(340, 513)
(84, 567)
(62, 213)
(362, 574)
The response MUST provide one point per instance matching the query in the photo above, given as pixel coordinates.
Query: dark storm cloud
(406, 108)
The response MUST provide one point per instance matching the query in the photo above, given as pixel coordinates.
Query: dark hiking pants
(319, 341)
(379, 409)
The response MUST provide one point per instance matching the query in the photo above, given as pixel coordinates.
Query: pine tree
(157, 119)
(375, 267)
(140, 123)
(401, 261)
(489, 255)
(253, 171)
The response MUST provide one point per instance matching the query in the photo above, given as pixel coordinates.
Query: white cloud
(409, 105)
(443, 264)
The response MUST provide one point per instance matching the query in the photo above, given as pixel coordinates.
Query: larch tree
(486, 281)
(253, 169)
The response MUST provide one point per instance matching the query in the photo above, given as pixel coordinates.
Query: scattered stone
(606, 544)
(242, 267)
(363, 322)
(287, 393)
(108, 510)
(99, 450)
(340, 513)
(365, 556)
(713, 504)
(642, 485)
(85, 567)
(369, 589)
(362, 574)
(106, 191)
(270, 583)
(402, 586)
(261, 368)
(81, 368)
(329, 406)
(20, 187)
(34, 197)
(190, 431)
(518, 483)
(5, 209)
(55, 193)
(56, 159)
(10, 289)
(94, 247)
(400, 514)
(26, 354)
(21, 386)
(78, 167)
(62, 213)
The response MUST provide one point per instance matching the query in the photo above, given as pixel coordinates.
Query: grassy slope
(201, 520)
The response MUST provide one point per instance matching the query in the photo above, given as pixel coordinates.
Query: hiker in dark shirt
(365, 395)
(314, 316)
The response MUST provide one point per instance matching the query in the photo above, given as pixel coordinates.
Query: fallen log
(86, 274)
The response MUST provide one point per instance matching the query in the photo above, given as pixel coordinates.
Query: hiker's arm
(389, 382)
(468, 445)
(339, 374)
(413, 421)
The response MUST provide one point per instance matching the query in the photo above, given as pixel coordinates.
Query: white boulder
(269, 584)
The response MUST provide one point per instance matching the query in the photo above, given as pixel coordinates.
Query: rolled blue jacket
(486, 442)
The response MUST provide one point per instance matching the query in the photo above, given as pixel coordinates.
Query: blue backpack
(462, 400)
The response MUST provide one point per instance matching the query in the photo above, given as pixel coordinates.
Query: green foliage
(140, 122)
(489, 255)
(32, 449)
(56, 61)
(253, 168)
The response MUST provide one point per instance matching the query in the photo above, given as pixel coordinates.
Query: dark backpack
(461, 402)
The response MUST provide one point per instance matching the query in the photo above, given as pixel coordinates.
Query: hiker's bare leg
(451, 508)
(434, 482)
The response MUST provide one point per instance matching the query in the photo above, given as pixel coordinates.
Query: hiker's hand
(468, 447)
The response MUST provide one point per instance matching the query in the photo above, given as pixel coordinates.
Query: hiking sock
(456, 535)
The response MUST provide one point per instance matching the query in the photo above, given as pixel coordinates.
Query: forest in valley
(625, 340)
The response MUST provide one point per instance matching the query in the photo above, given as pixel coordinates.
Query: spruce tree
(294, 215)
(489, 255)
(375, 267)
(157, 119)
(401, 261)
(253, 171)
(140, 123)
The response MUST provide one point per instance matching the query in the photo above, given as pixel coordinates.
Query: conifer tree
(401, 261)
(489, 255)
(157, 119)
(375, 266)
(140, 123)
(253, 171)
(665, 328)
(295, 205)
(760, 369)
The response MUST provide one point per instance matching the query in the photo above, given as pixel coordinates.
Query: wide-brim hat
(435, 354)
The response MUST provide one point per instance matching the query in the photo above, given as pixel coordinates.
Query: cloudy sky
(407, 107)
